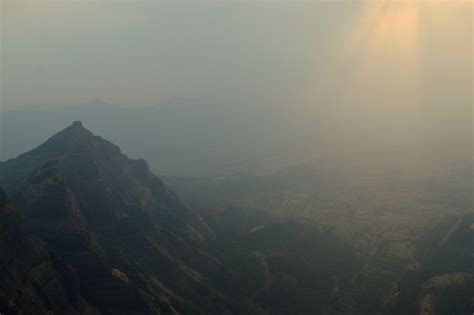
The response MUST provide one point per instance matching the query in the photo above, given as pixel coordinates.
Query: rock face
(124, 241)
(32, 280)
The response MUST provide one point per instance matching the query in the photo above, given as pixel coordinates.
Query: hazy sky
(350, 71)
(137, 53)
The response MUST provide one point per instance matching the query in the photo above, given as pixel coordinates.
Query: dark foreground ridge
(97, 232)
(86, 230)
(100, 232)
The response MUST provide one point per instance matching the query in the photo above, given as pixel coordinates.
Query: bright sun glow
(384, 48)
(388, 27)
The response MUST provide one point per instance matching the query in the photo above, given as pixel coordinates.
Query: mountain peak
(108, 185)
(70, 137)
(74, 144)
(77, 123)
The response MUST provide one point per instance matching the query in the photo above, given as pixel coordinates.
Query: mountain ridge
(134, 245)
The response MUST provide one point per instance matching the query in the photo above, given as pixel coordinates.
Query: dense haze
(370, 81)
(236, 157)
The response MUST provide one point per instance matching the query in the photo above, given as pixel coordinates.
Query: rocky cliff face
(32, 279)
(132, 245)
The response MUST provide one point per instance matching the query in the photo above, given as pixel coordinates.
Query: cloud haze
(379, 77)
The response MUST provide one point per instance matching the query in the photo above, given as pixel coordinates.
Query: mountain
(135, 247)
(87, 230)
(32, 279)
(100, 176)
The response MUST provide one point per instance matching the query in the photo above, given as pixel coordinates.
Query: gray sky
(380, 71)
(138, 53)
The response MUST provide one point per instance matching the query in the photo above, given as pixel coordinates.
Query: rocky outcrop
(32, 280)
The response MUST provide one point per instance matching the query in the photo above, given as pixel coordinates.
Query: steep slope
(135, 247)
(128, 245)
(94, 166)
(31, 279)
